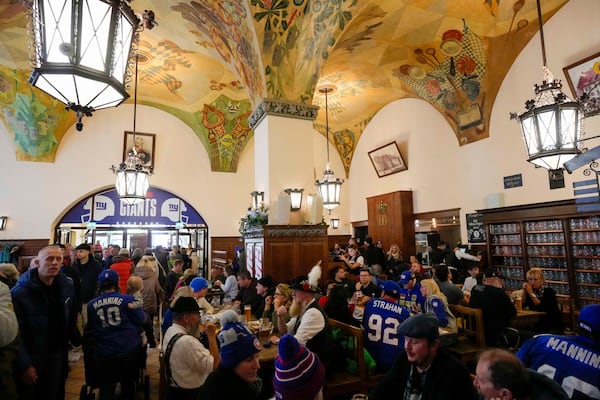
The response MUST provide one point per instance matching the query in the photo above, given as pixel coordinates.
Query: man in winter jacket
(8, 344)
(43, 303)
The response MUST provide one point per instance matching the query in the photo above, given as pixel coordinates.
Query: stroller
(92, 372)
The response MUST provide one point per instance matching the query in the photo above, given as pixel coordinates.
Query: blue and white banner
(159, 208)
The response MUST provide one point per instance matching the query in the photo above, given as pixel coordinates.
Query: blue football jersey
(410, 298)
(381, 319)
(572, 361)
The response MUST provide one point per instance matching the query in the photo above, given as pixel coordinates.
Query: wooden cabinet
(552, 236)
(391, 220)
(285, 251)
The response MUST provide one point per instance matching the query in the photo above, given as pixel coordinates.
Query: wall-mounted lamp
(335, 223)
(3, 220)
(295, 198)
(257, 198)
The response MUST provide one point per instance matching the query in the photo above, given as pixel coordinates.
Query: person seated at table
(424, 370)
(329, 284)
(471, 280)
(394, 264)
(569, 359)
(496, 308)
(237, 375)
(184, 291)
(200, 288)
(500, 375)
(229, 285)
(437, 304)
(453, 293)
(265, 288)
(354, 261)
(309, 322)
(299, 374)
(187, 361)
(410, 293)
(381, 316)
(281, 297)
(217, 273)
(339, 275)
(365, 288)
(337, 307)
(538, 296)
(247, 295)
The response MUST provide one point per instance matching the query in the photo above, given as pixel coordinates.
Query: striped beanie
(299, 373)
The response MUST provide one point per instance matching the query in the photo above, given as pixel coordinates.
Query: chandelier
(329, 186)
(81, 51)
(552, 122)
(132, 177)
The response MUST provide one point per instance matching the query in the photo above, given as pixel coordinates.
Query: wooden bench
(471, 335)
(343, 382)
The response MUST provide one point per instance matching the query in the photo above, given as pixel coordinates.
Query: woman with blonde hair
(282, 297)
(152, 293)
(393, 262)
(437, 304)
(540, 297)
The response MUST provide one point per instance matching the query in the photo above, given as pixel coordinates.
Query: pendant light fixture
(329, 186)
(81, 50)
(132, 177)
(552, 122)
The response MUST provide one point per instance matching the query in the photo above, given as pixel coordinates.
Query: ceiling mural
(211, 62)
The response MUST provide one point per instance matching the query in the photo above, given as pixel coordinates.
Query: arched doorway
(161, 219)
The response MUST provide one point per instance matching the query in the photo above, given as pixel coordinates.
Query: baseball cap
(83, 246)
(391, 287)
(266, 281)
(589, 319)
(406, 277)
(420, 326)
(197, 284)
(108, 276)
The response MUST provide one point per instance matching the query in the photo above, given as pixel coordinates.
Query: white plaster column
(283, 151)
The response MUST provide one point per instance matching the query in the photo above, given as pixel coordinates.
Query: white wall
(443, 175)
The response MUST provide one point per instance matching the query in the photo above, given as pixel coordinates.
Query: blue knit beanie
(237, 342)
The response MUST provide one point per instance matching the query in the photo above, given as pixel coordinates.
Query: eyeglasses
(278, 294)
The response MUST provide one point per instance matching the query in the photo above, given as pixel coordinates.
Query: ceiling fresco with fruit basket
(211, 62)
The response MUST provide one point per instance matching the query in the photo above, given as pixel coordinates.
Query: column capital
(283, 109)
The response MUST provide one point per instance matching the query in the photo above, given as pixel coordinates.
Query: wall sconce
(335, 223)
(3, 222)
(295, 198)
(257, 198)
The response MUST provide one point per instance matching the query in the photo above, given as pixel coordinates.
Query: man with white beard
(187, 361)
(309, 322)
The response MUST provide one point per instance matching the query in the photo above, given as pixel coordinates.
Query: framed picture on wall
(583, 77)
(387, 160)
(143, 143)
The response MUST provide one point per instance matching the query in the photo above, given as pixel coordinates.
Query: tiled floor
(76, 377)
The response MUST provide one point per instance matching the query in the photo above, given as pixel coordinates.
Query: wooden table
(526, 318)
(268, 354)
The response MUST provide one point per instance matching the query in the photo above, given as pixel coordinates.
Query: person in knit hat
(237, 375)
(299, 374)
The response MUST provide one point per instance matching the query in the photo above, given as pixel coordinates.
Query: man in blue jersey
(117, 339)
(381, 320)
(572, 361)
(410, 294)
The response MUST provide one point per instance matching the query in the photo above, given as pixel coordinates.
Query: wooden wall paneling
(391, 220)
(311, 251)
(280, 260)
(29, 248)
(342, 240)
(227, 243)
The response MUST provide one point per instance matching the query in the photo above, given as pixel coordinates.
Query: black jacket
(446, 379)
(496, 308)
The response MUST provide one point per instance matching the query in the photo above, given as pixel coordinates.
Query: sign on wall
(159, 208)
(475, 228)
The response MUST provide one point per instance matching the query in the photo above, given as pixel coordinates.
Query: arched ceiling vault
(211, 62)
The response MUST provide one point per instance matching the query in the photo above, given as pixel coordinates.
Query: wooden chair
(343, 382)
(567, 309)
(471, 336)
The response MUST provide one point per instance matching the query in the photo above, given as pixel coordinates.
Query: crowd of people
(69, 298)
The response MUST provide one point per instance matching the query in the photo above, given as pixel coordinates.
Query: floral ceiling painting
(211, 62)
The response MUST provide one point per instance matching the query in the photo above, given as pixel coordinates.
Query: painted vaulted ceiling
(211, 63)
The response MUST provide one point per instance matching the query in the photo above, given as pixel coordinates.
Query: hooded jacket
(150, 289)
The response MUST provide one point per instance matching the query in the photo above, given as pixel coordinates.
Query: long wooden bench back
(470, 323)
(344, 382)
